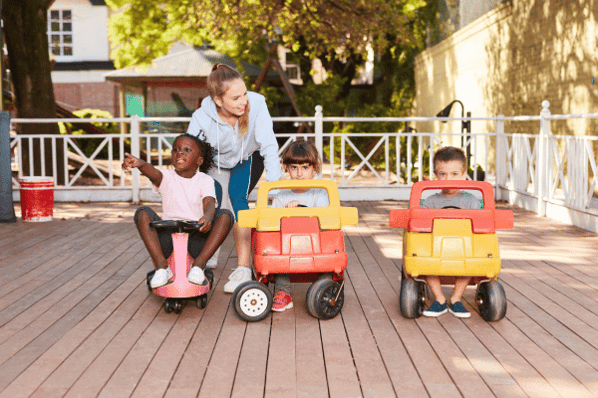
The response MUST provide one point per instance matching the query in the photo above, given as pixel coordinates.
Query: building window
(60, 32)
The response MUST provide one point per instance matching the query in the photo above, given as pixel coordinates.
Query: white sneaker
(239, 275)
(213, 261)
(161, 277)
(196, 276)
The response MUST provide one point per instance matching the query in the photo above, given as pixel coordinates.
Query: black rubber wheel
(253, 301)
(202, 301)
(148, 279)
(492, 301)
(319, 299)
(210, 276)
(169, 306)
(412, 298)
(178, 306)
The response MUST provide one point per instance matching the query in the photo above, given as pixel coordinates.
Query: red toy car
(304, 242)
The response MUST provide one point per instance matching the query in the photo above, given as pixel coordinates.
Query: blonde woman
(238, 125)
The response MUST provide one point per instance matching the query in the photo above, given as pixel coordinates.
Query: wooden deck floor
(76, 320)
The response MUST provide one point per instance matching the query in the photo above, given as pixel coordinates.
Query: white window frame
(61, 38)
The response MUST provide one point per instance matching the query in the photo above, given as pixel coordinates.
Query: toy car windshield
(265, 218)
(484, 220)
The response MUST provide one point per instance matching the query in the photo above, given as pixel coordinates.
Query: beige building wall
(509, 61)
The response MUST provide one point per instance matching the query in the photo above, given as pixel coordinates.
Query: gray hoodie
(231, 150)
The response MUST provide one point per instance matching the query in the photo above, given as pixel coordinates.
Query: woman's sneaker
(239, 275)
(196, 276)
(161, 277)
(436, 309)
(459, 310)
(282, 301)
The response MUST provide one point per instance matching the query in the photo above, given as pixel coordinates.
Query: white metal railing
(541, 172)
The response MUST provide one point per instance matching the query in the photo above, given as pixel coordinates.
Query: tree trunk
(25, 24)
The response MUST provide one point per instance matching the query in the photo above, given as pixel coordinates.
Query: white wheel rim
(253, 302)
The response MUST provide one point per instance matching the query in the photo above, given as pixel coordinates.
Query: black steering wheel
(176, 224)
(451, 207)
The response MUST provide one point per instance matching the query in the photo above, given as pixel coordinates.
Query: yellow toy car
(303, 242)
(452, 242)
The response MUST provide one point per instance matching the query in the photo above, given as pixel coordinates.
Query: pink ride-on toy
(180, 262)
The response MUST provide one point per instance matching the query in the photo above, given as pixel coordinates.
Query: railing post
(135, 151)
(7, 210)
(501, 157)
(319, 130)
(542, 163)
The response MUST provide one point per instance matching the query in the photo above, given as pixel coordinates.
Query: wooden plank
(281, 372)
(126, 377)
(553, 339)
(371, 369)
(309, 355)
(570, 330)
(402, 344)
(21, 350)
(518, 366)
(250, 377)
(479, 358)
(220, 375)
(31, 307)
(188, 377)
(156, 379)
(51, 272)
(340, 369)
(79, 321)
(59, 368)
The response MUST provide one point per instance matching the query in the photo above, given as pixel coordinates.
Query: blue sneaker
(459, 310)
(436, 309)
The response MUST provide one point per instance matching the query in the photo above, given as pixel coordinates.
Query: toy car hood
(265, 218)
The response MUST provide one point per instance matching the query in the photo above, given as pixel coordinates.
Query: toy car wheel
(253, 301)
(202, 301)
(169, 306)
(322, 301)
(412, 298)
(148, 279)
(210, 276)
(492, 301)
(178, 306)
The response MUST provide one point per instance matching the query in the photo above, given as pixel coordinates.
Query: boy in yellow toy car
(449, 163)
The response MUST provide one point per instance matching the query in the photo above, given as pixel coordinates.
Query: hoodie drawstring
(218, 140)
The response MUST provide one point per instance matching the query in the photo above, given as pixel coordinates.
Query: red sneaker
(282, 301)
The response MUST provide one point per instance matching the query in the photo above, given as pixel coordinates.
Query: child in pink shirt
(187, 194)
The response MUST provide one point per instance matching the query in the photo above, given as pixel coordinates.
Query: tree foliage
(332, 30)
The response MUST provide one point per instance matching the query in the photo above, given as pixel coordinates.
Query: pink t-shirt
(182, 198)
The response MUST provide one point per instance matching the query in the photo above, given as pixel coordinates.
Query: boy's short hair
(300, 152)
(449, 153)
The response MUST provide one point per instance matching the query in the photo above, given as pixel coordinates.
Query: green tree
(338, 32)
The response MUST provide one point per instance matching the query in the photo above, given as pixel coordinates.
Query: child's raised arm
(131, 162)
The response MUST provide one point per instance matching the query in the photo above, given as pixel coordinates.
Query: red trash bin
(37, 198)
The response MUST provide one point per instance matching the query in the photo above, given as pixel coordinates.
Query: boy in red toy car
(450, 163)
(301, 160)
